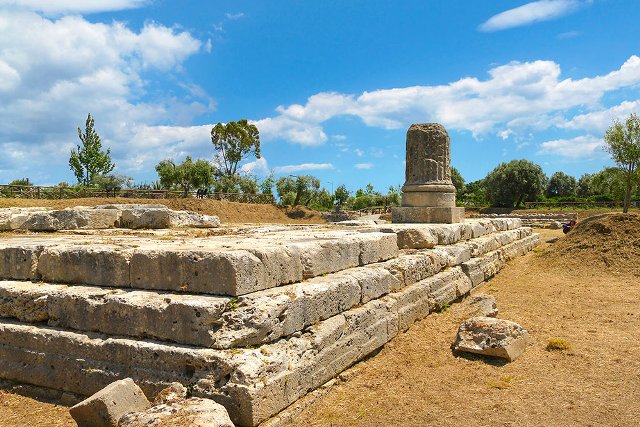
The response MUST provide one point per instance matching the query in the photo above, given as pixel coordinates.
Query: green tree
(88, 159)
(584, 185)
(622, 141)
(266, 186)
(111, 182)
(234, 142)
(23, 181)
(300, 190)
(341, 195)
(561, 185)
(509, 184)
(187, 175)
(394, 196)
(474, 194)
(609, 181)
(458, 182)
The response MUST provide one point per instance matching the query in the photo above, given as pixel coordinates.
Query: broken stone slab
(107, 406)
(145, 217)
(483, 305)
(87, 218)
(192, 412)
(187, 219)
(491, 337)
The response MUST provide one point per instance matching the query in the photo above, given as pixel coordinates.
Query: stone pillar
(428, 195)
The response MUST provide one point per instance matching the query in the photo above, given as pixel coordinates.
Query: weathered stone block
(491, 337)
(144, 217)
(193, 220)
(19, 262)
(107, 406)
(193, 412)
(406, 214)
(90, 265)
(235, 272)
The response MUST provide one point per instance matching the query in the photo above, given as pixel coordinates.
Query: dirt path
(416, 381)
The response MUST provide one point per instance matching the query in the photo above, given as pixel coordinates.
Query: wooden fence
(41, 192)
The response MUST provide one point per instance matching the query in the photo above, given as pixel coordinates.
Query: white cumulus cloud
(53, 71)
(517, 96)
(578, 148)
(54, 7)
(537, 11)
(363, 166)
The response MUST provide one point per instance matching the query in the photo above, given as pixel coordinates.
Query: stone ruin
(253, 318)
(428, 194)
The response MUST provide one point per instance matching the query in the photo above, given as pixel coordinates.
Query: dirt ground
(228, 212)
(416, 380)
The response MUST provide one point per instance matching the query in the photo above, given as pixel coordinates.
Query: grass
(232, 304)
(503, 383)
(560, 344)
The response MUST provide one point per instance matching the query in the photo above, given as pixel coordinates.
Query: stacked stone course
(253, 320)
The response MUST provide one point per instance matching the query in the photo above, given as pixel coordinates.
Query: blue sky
(331, 85)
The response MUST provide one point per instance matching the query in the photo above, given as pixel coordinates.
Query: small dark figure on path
(568, 226)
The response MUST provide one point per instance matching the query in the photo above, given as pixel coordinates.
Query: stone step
(223, 322)
(224, 265)
(252, 383)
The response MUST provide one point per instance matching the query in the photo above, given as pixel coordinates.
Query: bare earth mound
(228, 212)
(611, 242)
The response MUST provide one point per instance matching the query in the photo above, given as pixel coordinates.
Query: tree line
(508, 185)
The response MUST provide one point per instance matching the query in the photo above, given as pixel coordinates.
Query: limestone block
(235, 272)
(90, 265)
(193, 412)
(322, 257)
(374, 282)
(473, 271)
(270, 314)
(282, 264)
(421, 214)
(416, 238)
(375, 247)
(41, 221)
(491, 337)
(145, 217)
(457, 254)
(483, 305)
(95, 219)
(105, 408)
(193, 219)
(19, 262)
(478, 228)
(409, 269)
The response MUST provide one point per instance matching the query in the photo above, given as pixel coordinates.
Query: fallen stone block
(193, 412)
(41, 221)
(483, 305)
(145, 217)
(188, 219)
(491, 337)
(95, 219)
(107, 406)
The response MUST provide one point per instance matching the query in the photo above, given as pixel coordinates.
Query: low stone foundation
(254, 320)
